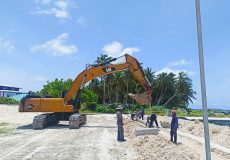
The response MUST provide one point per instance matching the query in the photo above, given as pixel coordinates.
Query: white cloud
(181, 62)
(169, 70)
(115, 49)
(130, 50)
(39, 78)
(82, 21)
(59, 9)
(175, 71)
(6, 46)
(57, 46)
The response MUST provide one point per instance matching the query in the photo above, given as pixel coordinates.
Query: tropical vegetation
(169, 90)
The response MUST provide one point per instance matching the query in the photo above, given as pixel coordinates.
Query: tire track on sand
(37, 138)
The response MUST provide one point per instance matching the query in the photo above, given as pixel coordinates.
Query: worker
(153, 117)
(120, 132)
(142, 113)
(138, 115)
(174, 126)
(132, 116)
(147, 121)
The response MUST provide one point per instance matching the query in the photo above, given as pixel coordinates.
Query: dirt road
(96, 140)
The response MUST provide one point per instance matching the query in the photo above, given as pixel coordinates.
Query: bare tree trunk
(155, 100)
(109, 95)
(127, 91)
(162, 95)
(170, 99)
(117, 91)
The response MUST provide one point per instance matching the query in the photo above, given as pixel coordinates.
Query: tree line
(169, 90)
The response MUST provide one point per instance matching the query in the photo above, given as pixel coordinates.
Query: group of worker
(149, 123)
(139, 114)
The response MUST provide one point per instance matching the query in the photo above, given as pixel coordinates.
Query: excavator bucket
(143, 98)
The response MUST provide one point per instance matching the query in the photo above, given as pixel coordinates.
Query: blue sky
(44, 39)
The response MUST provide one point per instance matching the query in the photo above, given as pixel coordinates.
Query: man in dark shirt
(120, 131)
(153, 117)
(142, 113)
(174, 126)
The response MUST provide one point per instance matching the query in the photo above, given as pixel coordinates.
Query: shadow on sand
(57, 126)
(99, 126)
(29, 126)
(179, 143)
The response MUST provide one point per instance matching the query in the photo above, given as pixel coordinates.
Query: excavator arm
(102, 69)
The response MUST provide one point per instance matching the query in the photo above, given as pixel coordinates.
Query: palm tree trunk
(117, 91)
(127, 91)
(170, 99)
(162, 95)
(109, 95)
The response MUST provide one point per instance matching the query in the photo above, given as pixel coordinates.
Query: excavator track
(44, 120)
(76, 120)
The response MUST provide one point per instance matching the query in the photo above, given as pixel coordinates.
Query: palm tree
(149, 74)
(163, 87)
(101, 59)
(118, 82)
(185, 91)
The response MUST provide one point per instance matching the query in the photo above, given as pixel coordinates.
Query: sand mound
(218, 134)
(156, 146)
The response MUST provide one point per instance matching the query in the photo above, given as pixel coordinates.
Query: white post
(202, 79)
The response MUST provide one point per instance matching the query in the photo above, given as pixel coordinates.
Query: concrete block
(165, 124)
(143, 131)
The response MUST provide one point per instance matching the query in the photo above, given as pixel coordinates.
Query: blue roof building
(8, 91)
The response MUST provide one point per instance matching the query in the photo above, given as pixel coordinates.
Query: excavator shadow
(86, 126)
(29, 126)
(24, 127)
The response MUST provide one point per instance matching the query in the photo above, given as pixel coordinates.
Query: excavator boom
(99, 70)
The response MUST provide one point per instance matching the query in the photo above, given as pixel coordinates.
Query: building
(8, 91)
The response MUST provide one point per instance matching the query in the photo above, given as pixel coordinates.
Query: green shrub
(182, 114)
(100, 108)
(56, 87)
(5, 130)
(156, 109)
(7, 100)
(4, 123)
(88, 95)
(91, 106)
(196, 113)
(106, 109)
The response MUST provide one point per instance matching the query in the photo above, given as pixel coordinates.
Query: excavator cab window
(63, 93)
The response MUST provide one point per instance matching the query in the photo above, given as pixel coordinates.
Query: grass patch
(7, 100)
(4, 123)
(5, 130)
(159, 110)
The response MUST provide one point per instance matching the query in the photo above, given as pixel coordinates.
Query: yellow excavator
(68, 105)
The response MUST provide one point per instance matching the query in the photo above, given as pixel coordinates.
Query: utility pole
(202, 79)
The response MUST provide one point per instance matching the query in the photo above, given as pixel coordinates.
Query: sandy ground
(95, 140)
(218, 134)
